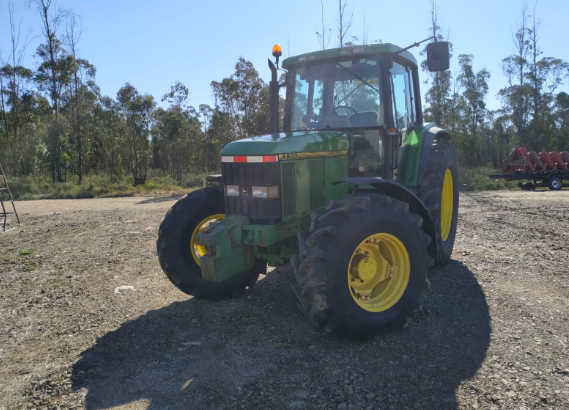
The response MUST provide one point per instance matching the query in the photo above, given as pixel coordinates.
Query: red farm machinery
(538, 170)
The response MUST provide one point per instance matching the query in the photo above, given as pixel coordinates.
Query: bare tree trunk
(344, 23)
(536, 91)
(49, 30)
(521, 46)
(438, 92)
(2, 98)
(323, 28)
(73, 38)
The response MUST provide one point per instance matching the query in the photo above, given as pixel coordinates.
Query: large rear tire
(440, 194)
(362, 266)
(177, 253)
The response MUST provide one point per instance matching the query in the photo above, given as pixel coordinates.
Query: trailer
(546, 169)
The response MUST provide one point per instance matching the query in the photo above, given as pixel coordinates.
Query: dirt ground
(492, 331)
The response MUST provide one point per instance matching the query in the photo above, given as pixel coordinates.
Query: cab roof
(348, 51)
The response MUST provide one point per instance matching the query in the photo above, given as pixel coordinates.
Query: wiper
(358, 77)
(350, 93)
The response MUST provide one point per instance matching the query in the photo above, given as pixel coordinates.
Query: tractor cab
(368, 92)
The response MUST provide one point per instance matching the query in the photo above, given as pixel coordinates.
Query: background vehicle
(544, 169)
(357, 193)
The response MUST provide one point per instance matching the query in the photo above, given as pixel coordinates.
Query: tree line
(55, 121)
(534, 113)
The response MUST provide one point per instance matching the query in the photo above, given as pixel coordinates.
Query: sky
(152, 44)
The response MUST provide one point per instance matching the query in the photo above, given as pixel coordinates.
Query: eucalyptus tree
(137, 110)
(439, 94)
(177, 134)
(82, 93)
(53, 74)
(109, 145)
(474, 87)
(242, 97)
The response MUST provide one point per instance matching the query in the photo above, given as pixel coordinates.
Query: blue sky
(152, 44)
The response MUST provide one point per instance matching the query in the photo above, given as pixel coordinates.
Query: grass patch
(160, 184)
(26, 252)
(30, 267)
(478, 179)
(100, 186)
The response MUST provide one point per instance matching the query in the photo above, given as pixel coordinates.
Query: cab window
(402, 95)
(338, 94)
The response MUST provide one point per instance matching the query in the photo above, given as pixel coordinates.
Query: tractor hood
(289, 142)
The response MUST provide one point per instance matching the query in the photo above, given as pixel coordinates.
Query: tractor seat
(364, 118)
(336, 121)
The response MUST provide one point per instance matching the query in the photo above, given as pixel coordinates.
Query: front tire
(332, 271)
(440, 194)
(177, 254)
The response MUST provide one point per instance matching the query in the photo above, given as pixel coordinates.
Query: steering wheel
(356, 118)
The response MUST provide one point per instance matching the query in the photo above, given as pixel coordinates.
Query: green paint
(310, 186)
(284, 143)
(337, 168)
(226, 256)
(267, 235)
(277, 255)
(410, 153)
(347, 52)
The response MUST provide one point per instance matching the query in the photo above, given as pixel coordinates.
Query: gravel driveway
(89, 321)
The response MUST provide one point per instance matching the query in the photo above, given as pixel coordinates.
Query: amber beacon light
(277, 51)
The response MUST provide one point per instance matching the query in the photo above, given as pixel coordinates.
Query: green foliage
(533, 113)
(26, 252)
(477, 179)
(26, 187)
(60, 138)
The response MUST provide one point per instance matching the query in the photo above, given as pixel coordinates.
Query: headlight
(232, 190)
(265, 192)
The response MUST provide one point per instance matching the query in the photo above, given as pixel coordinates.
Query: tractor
(350, 187)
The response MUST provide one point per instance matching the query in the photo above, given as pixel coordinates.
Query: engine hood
(289, 142)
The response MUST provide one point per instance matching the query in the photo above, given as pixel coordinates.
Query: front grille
(248, 175)
(289, 188)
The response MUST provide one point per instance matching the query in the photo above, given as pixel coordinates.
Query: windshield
(344, 94)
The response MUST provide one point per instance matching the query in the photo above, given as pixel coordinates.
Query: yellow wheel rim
(447, 199)
(198, 250)
(379, 272)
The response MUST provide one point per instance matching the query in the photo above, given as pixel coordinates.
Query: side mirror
(438, 56)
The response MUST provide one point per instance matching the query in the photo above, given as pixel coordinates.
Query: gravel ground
(492, 331)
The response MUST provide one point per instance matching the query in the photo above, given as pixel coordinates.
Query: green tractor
(356, 192)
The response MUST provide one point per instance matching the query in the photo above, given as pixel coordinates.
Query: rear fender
(415, 154)
(397, 191)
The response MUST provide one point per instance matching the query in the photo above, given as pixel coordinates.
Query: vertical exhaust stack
(274, 88)
(555, 157)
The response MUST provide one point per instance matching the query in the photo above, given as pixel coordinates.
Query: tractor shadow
(259, 351)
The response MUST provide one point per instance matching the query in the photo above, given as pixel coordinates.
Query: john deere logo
(244, 191)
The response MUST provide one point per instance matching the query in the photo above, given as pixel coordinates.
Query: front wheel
(362, 266)
(179, 255)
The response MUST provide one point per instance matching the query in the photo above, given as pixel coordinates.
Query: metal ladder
(5, 190)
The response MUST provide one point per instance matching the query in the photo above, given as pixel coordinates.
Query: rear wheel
(439, 193)
(362, 266)
(179, 254)
(554, 183)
